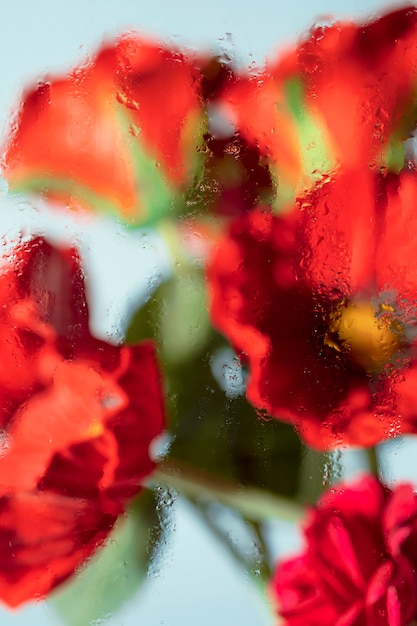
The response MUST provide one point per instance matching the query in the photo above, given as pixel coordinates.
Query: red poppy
(321, 303)
(77, 418)
(345, 94)
(358, 567)
(119, 134)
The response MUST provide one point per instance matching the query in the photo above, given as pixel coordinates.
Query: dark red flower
(117, 135)
(345, 94)
(77, 418)
(359, 566)
(321, 303)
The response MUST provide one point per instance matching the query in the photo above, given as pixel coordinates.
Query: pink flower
(359, 564)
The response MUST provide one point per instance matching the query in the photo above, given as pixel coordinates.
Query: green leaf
(184, 323)
(155, 194)
(314, 145)
(116, 570)
(257, 505)
(41, 185)
(226, 437)
(157, 197)
(176, 315)
(144, 322)
(394, 154)
(403, 127)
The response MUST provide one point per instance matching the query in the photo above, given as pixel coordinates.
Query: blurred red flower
(345, 95)
(359, 564)
(77, 418)
(321, 302)
(118, 135)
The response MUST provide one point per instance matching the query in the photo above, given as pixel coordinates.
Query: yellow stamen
(96, 429)
(370, 335)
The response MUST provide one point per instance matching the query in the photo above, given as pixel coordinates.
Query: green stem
(260, 576)
(256, 506)
(311, 483)
(217, 532)
(373, 461)
(253, 504)
(265, 566)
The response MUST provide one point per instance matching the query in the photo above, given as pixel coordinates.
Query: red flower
(77, 418)
(345, 94)
(321, 303)
(118, 135)
(359, 564)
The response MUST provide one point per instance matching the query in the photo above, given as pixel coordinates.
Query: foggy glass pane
(207, 319)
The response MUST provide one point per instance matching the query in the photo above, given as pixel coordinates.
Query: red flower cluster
(343, 97)
(321, 302)
(359, 567)
(119, 135)
(319, 298)
(77, 418)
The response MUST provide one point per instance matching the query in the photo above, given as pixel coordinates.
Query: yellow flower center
(370, 335)
(95, 429)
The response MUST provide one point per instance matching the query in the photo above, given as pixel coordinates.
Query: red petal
(78, 419)
(355, 93)
(43, 539)
(91, 138)
(72, 409)
(162, 89)
(265, 283)
(397, 246)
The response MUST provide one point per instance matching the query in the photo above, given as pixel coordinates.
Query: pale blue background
(198, 585)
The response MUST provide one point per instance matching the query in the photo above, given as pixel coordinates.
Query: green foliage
(223, 436)
(314, 146)
(176, 315)
(226, 436)
(116, 570)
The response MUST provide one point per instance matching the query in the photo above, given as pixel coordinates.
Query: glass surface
(192, 578)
